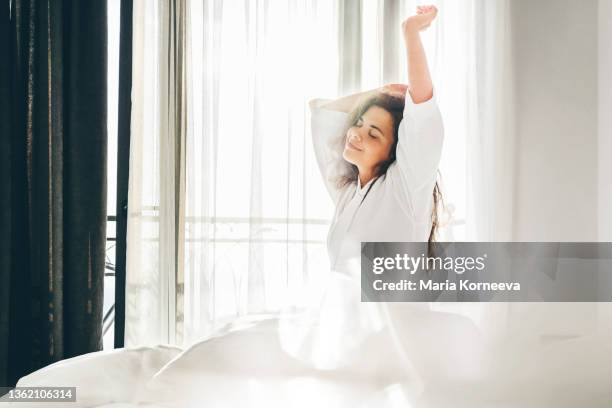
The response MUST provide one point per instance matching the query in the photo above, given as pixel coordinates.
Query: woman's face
(368, 143)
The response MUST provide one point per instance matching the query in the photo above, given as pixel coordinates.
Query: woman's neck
(365, 177)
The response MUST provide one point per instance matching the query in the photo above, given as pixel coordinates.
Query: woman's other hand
(421, 20)
(397, 90)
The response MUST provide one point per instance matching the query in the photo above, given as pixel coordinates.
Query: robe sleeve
(418, 153)
(328, 128)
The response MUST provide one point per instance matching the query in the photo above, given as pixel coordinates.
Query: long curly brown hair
(395, 106)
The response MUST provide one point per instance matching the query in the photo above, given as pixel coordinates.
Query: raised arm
(421, 131)
(419, 79)
(343, 104)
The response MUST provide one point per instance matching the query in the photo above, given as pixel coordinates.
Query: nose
(355, 135)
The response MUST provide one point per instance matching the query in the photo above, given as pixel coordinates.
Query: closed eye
(377, 128)
(360, 122)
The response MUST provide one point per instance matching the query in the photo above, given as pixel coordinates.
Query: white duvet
(245, 365)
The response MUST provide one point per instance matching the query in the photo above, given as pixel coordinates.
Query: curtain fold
(154, 259)
(53, 218)
(491, 137)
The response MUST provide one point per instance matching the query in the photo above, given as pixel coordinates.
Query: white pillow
(101, 377)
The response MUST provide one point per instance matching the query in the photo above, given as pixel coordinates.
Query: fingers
(397, 90)
(421, 20)
(398, 87)
(426, 9)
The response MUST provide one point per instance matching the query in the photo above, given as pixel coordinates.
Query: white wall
(605, 120)
(555, 54)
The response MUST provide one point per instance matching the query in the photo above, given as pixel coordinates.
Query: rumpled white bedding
(102, 377)
(245, 366)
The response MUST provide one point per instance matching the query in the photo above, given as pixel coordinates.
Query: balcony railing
(111, 241)
(109, 277)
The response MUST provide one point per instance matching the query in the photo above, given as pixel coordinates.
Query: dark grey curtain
(52, 181)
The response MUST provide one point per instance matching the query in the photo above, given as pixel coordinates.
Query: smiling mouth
(352, 146)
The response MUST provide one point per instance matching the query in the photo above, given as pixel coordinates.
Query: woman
(378, 152)
(381, 171)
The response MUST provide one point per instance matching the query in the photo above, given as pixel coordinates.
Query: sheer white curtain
(227, 212)
(145, 302)
(490, 144)
(256, 214)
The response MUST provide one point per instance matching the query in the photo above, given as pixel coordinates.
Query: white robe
(399, 203)
(396, 206)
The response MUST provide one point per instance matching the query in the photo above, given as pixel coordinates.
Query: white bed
(241, 367)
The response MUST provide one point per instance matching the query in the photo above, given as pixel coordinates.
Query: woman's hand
(421, 20)
(397, 90)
